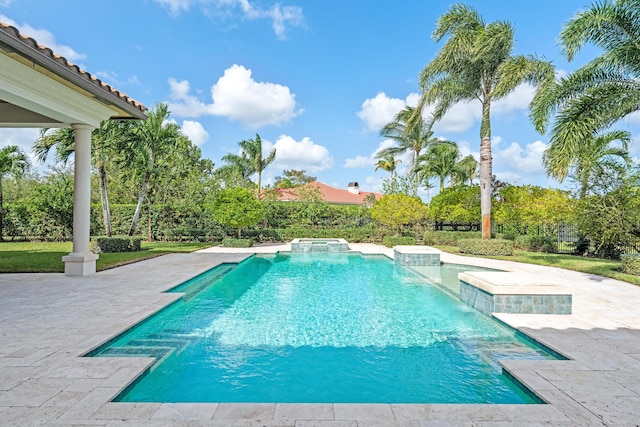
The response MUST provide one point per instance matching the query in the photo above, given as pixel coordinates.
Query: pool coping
(44, 380)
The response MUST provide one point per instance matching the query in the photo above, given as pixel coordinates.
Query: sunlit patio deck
(48, 320)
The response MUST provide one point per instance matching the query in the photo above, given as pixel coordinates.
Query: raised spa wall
(416, 256)
(515, 293)
(319, 245)
(496, 291)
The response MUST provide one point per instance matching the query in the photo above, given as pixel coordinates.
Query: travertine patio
(49, 320)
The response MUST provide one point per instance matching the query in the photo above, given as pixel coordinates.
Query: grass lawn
(601, 267)
(46, 257)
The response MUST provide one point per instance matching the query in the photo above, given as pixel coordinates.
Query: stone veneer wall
(413, 259)
(332, 247)
(522, 304)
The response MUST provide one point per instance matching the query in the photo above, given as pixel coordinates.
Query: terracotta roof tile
(329, 194)
(47, 52)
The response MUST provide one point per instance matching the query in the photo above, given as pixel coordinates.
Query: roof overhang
(41, 89)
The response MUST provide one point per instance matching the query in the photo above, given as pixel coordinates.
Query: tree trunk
(106, 211)
(259, 184)
(485, 186)
(416, 180)
(485, 169)
(143, 192)
(149, 229)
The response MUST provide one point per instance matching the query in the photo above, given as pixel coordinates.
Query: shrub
(545, 244)
(448, 238)
(486, 247)
(237, 243)
(631, 264)
(117, 244)
(396, 210)
(391, 241)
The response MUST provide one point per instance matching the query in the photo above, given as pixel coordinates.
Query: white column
(81, 262)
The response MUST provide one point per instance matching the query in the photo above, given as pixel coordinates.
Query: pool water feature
(319, 245)
(321, 328)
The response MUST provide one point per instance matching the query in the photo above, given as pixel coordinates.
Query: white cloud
(182, 104)
(380, 110)
(195, 132)
(45, 38)
(281, 17)
(23, 138)
(460, 118)
(176, 6)
(370, 161)
(237, 96)
(304, 154)
(519, 99)
(377, 112)
(519, 162)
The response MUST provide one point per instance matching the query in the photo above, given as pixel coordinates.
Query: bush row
(631, 264)
(237, 243)
(536, 244)
(448, 238)
(391, 241)
(117, 244)
(493, 247)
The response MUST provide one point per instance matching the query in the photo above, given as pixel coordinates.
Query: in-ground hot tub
(319, 245)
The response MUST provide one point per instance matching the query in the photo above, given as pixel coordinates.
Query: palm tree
(439, 161)
(466, 169)
(605, 89)
(151, 140)
(476, 64)
(593, 157)
(250, 159)
(13, 162)
(412, 133)
(388, 163)
(105, 142)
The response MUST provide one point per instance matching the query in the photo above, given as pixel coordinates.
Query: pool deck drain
(47, 321)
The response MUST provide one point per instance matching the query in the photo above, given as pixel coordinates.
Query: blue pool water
(341, 328)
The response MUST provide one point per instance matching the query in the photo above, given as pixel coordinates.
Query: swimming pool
(322, 328)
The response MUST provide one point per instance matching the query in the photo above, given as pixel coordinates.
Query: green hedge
(237, 243)
(486, 247)
(391, 241)
(117, 244)
(537, 244)
(449, 238)
(369, 234)
(631, 264)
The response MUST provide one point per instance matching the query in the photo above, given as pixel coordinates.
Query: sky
(317, 80)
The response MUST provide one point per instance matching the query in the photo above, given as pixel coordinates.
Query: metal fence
(568, 235)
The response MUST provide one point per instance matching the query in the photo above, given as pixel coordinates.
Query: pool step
(158, 353)
(491, 352)
(201, 283)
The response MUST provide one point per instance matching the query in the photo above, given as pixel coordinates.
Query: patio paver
(47, 321)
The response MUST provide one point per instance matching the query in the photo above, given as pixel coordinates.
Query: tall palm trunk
(416, 178)
(485, 170)
(259, 183)
(106, 211)
(143, 193)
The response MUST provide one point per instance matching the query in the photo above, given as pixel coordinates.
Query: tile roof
(44, 56)
(329, 194)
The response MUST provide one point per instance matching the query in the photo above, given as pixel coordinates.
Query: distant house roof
(329, 194)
